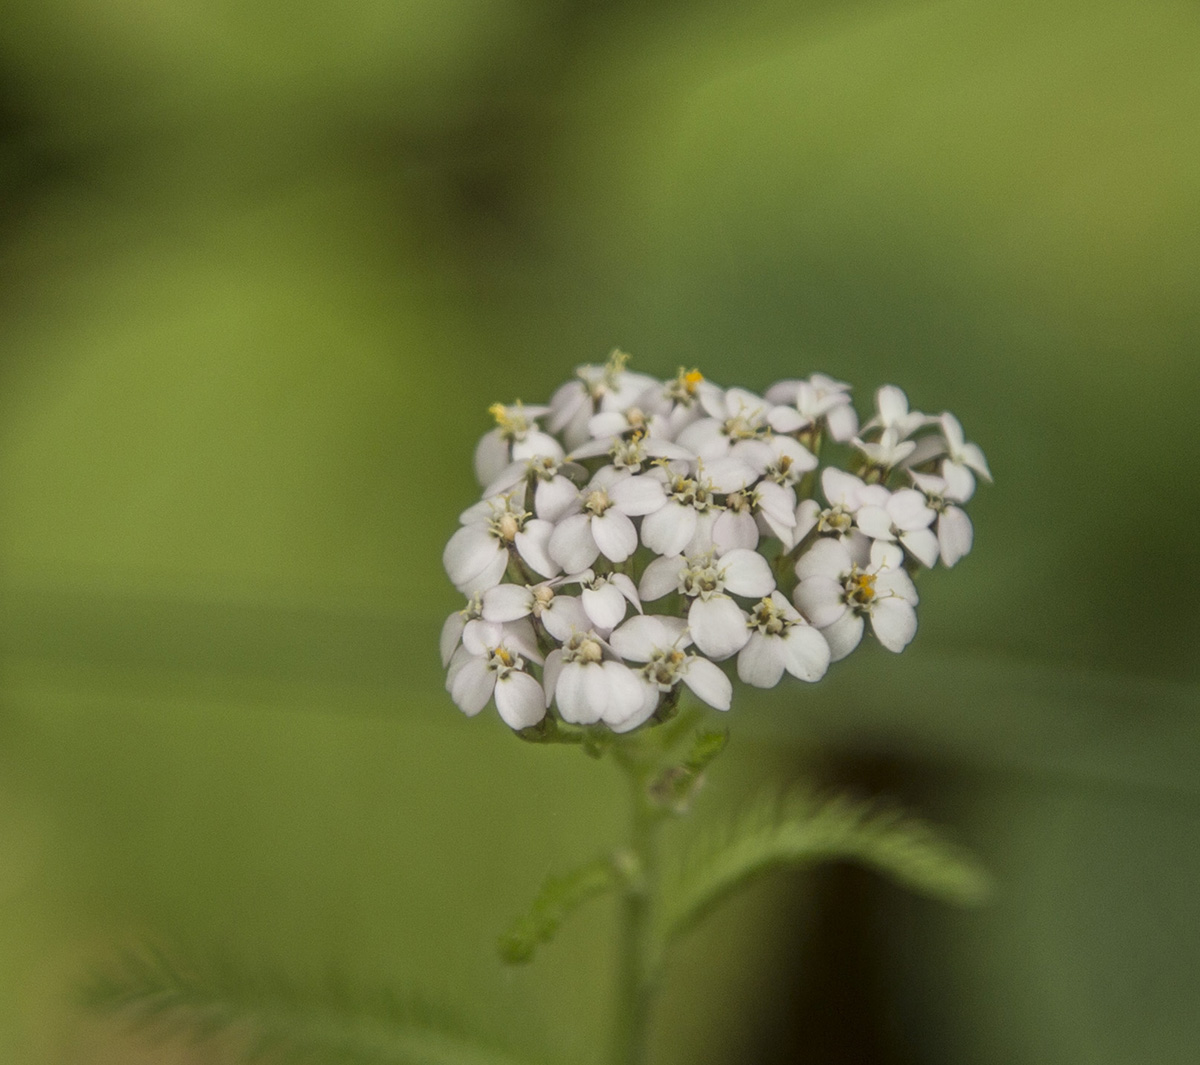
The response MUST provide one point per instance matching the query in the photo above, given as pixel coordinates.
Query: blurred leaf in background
(262, 269)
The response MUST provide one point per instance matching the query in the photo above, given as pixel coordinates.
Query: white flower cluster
(710, 503)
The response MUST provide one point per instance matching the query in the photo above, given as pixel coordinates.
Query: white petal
(842, 422)
(972, 456)
(806, 653)
(731, 473)
(650, 697)
(894, 622)
(873, 495)
(520, 636)
(892, 404)
(705, 439)
(929, 447)
(566, 403)
(757, 454)
(735, 529)
(537, 444)
(875, 522)
(886, 556)
(459, 659)
(701, 542)
(953, 432)
(470, 554)
(511, 476)
(584, 688)
(627, 588)
(718, 626)
(843, 635)
(572, 545)
(840, 487)
(625, 693)
(564, 617)
(533, 544)
(607, 478)
(520, 700)
(960, 482)
(592, 449)
(777, 503)
(452, 632)
(909, 510)
(637, 639)
(615, 535)
(785, 420)
(760, 662)
(607, 424)
(668, 530)
(553, 667)
(659, 448)
(802, 460)
(472, 687)
(820, 599)
(922, 544)
(605, 606)
(826, 558)
(636, 496)
(491, 456)
(897, 583)
(553, 499)
(707, 682)
(955, 535)
(747, 573)
(807, 513)
(661, 577)
(480, 637)
(481, 512)
(783, 392)
(507, 602)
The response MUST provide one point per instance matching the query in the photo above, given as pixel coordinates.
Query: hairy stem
(638, 964)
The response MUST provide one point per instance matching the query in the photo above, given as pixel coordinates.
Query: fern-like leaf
(676, 786)
(558, 897)
(271, 1016)
(802, 830)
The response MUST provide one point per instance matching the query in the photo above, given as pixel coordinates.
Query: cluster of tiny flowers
(633, 533)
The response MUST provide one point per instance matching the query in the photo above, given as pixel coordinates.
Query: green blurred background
(262, 269)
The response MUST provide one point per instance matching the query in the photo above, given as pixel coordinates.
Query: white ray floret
(955, 533)
(780, 639)
(660, 643)
(819, 398)
(836, 594)
(904, 517)
(477, 555)
(588, 683)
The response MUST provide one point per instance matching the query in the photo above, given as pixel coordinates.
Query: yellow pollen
(504, 656)
(864, 586)
(691, 379)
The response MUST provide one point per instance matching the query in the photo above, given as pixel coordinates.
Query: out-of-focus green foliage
(263, 268)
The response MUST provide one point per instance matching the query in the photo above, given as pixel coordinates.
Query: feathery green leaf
(676, 786)
(802, 830)
(269, 1014)
(558, 897)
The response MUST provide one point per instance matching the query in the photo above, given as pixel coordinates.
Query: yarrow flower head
(637, 537)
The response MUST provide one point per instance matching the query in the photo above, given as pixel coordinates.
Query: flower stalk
(638, 954)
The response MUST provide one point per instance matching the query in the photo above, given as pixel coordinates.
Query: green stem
(638, 965)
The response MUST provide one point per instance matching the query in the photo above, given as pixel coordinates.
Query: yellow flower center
(860, 588)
